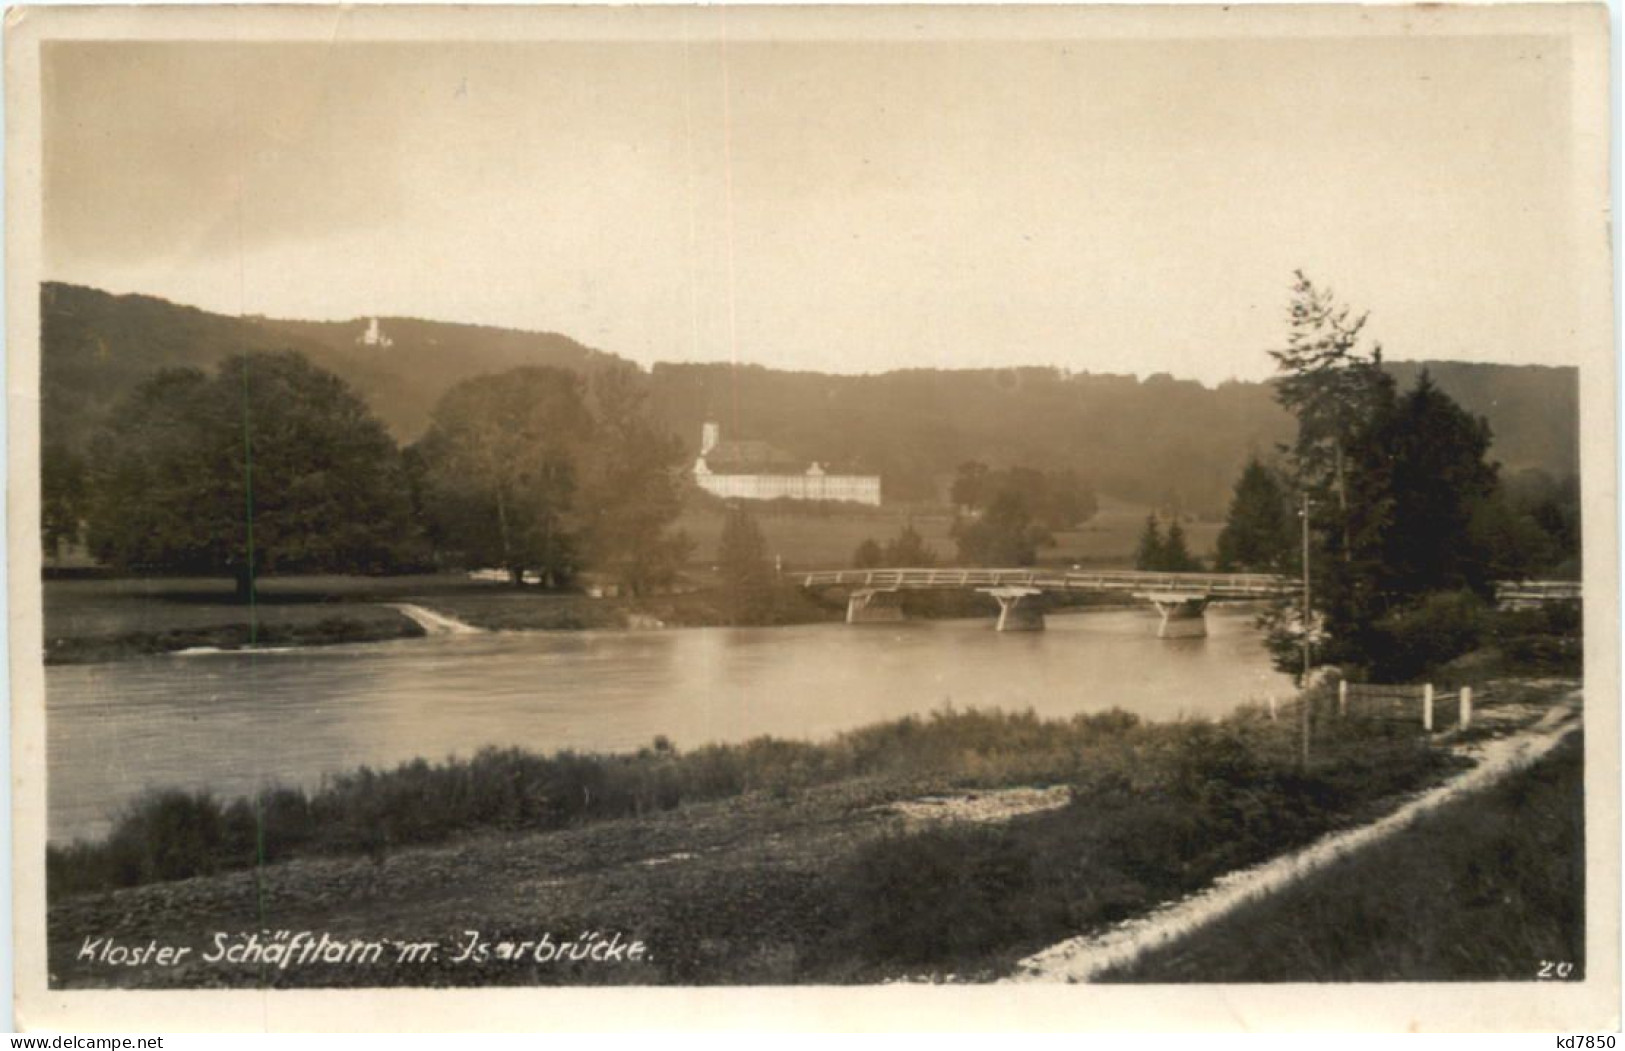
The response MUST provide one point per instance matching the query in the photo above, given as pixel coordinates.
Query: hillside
(1534, 411)
(95, 346)
(1159, 441)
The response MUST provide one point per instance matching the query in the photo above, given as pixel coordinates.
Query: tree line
(272, 465)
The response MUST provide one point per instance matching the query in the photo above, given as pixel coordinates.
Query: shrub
(1548, 639)
(1426, 634)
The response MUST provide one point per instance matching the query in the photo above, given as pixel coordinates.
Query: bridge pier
(1183, 613)
(1017, 609)
(874, 606)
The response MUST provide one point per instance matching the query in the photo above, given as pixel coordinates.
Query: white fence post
(1342, 697)
(1466, 707)
(1272, 707)
(1427, 707)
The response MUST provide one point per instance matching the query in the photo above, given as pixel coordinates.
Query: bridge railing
(1231, 585)
(1238, 584)
(1537, 590)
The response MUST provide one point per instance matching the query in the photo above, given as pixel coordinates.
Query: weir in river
(433, 623)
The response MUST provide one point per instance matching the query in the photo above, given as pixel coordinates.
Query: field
(828, 540)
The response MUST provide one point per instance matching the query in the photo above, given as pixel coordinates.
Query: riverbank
(846, 862)
(96, 620)
(109, 619)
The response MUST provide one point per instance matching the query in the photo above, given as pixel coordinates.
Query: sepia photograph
(1111, 506)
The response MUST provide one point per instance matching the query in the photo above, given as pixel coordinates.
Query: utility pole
(1307, 614)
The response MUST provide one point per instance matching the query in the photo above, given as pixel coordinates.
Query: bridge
(1181, 598)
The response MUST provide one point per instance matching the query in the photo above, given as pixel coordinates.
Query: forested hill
(97, 345)
(1534, 412)
(1160, 440)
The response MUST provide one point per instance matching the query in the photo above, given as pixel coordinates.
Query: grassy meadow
(1490, 888)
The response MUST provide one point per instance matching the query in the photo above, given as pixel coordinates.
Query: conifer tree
(1258, 530)
(1176, 557)
(1149, 554)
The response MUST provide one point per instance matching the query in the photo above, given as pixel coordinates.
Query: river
(231, 722)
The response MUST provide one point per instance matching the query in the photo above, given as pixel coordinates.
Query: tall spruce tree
(1258, 530)
(1176, 556)
(1421, 472)
(1333, 384)
(1413, 591)
(1149, 554)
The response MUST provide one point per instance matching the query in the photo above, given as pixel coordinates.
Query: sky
(846, 205)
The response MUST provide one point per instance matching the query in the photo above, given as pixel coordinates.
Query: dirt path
(1083, 958)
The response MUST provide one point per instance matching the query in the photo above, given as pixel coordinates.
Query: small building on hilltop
(755, 470)
(374, 336)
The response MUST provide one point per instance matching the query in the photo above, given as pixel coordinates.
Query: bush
(1548, 639)
(1426, 634)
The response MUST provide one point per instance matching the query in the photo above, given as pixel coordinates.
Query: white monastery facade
(750, 470)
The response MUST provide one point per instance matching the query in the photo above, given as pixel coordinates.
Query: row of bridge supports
(1020, 610)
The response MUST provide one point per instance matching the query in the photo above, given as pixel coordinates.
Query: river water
(231, 722)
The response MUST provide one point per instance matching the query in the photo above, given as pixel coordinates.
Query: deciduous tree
(64, 493)
(272, 464)
(632, 488)
(1005, 534)
(747, 578)
(502, 461)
